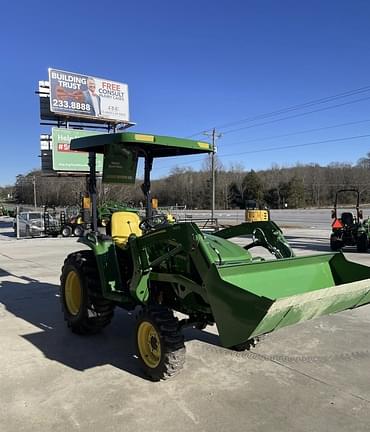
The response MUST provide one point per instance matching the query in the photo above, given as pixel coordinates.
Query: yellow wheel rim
(73, 293)
(149, 344)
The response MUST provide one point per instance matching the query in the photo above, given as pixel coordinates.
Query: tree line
(303, 185)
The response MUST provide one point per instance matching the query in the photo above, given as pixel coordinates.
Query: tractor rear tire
(335, 243)
(362, 243)
(78, 231)
(159, 343)
(66, 231)
(83, 306)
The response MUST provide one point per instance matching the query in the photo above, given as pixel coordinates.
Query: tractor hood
(226, 252)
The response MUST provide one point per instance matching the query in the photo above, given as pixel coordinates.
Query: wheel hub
(149, 344)
(154, 343)
(73, 293)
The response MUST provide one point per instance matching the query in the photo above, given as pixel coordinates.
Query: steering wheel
(153, 222)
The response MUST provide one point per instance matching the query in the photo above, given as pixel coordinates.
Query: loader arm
(266, 234)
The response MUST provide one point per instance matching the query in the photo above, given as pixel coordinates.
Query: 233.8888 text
(71, 105)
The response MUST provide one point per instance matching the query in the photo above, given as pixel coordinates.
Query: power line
(296, 115)
(279, 136)
(267, 149)
(298, 145)
(301, 106)
(291, 108)
(298, 132)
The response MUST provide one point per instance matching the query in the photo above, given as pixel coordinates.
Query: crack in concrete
(307, 375)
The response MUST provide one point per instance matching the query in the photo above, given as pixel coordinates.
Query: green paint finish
(157, 145)
(65, 159)
(281, 278)
(252, 299)
(139, 286)
(266, 233)
(206, 274)
(225, 252)
(364, 299)
(311, 305)
(237, 312)
(110, 276)
(347, 271)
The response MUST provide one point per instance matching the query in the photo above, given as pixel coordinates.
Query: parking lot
(314, 376)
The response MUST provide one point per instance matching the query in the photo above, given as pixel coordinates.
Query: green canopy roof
(156, 145)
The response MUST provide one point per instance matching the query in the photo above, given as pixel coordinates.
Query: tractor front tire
(159, 343)
(362, 243)
(84, 309)
(335, 243)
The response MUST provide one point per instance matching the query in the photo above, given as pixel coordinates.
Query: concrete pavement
(311, 377)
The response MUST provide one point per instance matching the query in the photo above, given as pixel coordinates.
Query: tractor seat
(347, 218)
(123, 224)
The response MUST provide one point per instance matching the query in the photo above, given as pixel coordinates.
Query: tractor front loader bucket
(249, 300)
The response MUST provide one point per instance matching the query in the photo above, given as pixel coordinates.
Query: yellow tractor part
(86, 202)
(170, 218)
(73, 293)
(149, 344)
(257, 215)
(154, 203)
(124, 224)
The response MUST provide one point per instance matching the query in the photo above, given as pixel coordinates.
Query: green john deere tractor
(105, 211)
(158, 267)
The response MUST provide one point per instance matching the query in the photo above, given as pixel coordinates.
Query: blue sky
(194, 65)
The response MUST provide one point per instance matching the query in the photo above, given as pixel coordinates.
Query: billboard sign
(65, 159)
(76, 95)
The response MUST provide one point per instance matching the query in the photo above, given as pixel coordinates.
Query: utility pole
(34, 191)
(214, 137)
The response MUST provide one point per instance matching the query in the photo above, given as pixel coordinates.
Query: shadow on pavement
(319, 245)
(301, 243)
(201, 335)
(38, 304)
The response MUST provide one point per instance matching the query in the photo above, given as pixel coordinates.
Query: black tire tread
(335, 244)
(362, 243)
(67, 231)
(172, 339)
(78, 231)
(97, 312)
